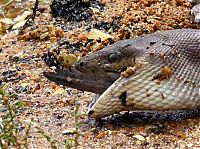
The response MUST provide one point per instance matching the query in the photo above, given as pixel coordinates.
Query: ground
(51, 107)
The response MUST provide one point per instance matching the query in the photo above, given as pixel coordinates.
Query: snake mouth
(94, 80)
(89, 76)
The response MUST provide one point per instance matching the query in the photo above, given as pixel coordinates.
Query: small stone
(102, 134)
(69, 131)
(44, 35)
(69, 79)
(139, 137)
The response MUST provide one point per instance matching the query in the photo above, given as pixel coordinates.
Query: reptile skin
(195, 10)
(149, 87)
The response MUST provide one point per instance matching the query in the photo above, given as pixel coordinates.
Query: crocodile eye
(112, 58)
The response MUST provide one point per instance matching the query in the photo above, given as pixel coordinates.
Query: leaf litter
(52, 106)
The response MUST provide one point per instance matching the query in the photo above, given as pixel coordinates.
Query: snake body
(150, 87)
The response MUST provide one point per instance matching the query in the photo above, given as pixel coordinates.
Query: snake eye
(112, 58)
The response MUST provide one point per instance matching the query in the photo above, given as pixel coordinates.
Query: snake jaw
(93, 80)
(108, 103)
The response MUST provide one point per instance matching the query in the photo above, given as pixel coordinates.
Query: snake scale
(165, 73)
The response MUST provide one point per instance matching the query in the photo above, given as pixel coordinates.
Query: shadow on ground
(142, 118)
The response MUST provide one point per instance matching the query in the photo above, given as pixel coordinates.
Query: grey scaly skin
(196, 9)
(178, 50)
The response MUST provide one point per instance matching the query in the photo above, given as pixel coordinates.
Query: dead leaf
(2, 57)
(58, 90)
(19, 55)
(25, 84)
(69, 59)
(69, 131)
(2, 28)
(97, 34)
(139, 137)
(6, 21)
(23, 16)
(44, 35)
(19, 24)
(102, 134)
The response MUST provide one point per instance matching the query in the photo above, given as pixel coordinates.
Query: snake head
(97, 71)
(113, 58)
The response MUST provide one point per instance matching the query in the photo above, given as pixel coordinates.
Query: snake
(158, 71)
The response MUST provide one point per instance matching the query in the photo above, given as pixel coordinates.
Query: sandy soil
(51, 107)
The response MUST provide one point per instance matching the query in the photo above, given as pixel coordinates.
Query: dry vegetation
(37, 113)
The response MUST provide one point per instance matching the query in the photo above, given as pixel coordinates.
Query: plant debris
(77, 10)
(65, 31)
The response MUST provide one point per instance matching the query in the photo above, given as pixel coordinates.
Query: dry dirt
(51, 106)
